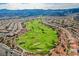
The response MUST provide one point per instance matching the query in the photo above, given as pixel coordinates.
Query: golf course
(39, 38)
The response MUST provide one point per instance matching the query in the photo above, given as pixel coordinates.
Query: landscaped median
(39, 38)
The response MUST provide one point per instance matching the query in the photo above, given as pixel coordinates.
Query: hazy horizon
(21, 6)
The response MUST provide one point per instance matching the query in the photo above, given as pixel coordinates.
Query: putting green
(39, 38)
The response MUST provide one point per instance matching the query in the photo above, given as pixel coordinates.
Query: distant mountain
(38, 12)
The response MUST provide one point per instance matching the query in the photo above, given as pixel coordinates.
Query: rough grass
(39, 38)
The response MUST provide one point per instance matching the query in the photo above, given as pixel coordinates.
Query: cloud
(14, 6)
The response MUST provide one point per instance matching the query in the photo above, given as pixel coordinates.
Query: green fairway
(39, 38)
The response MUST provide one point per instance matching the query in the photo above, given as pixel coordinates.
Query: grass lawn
(39, 38)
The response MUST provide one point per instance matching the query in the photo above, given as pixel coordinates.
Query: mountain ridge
(38, 12)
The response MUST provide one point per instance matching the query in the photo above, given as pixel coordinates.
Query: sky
(16, 6)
